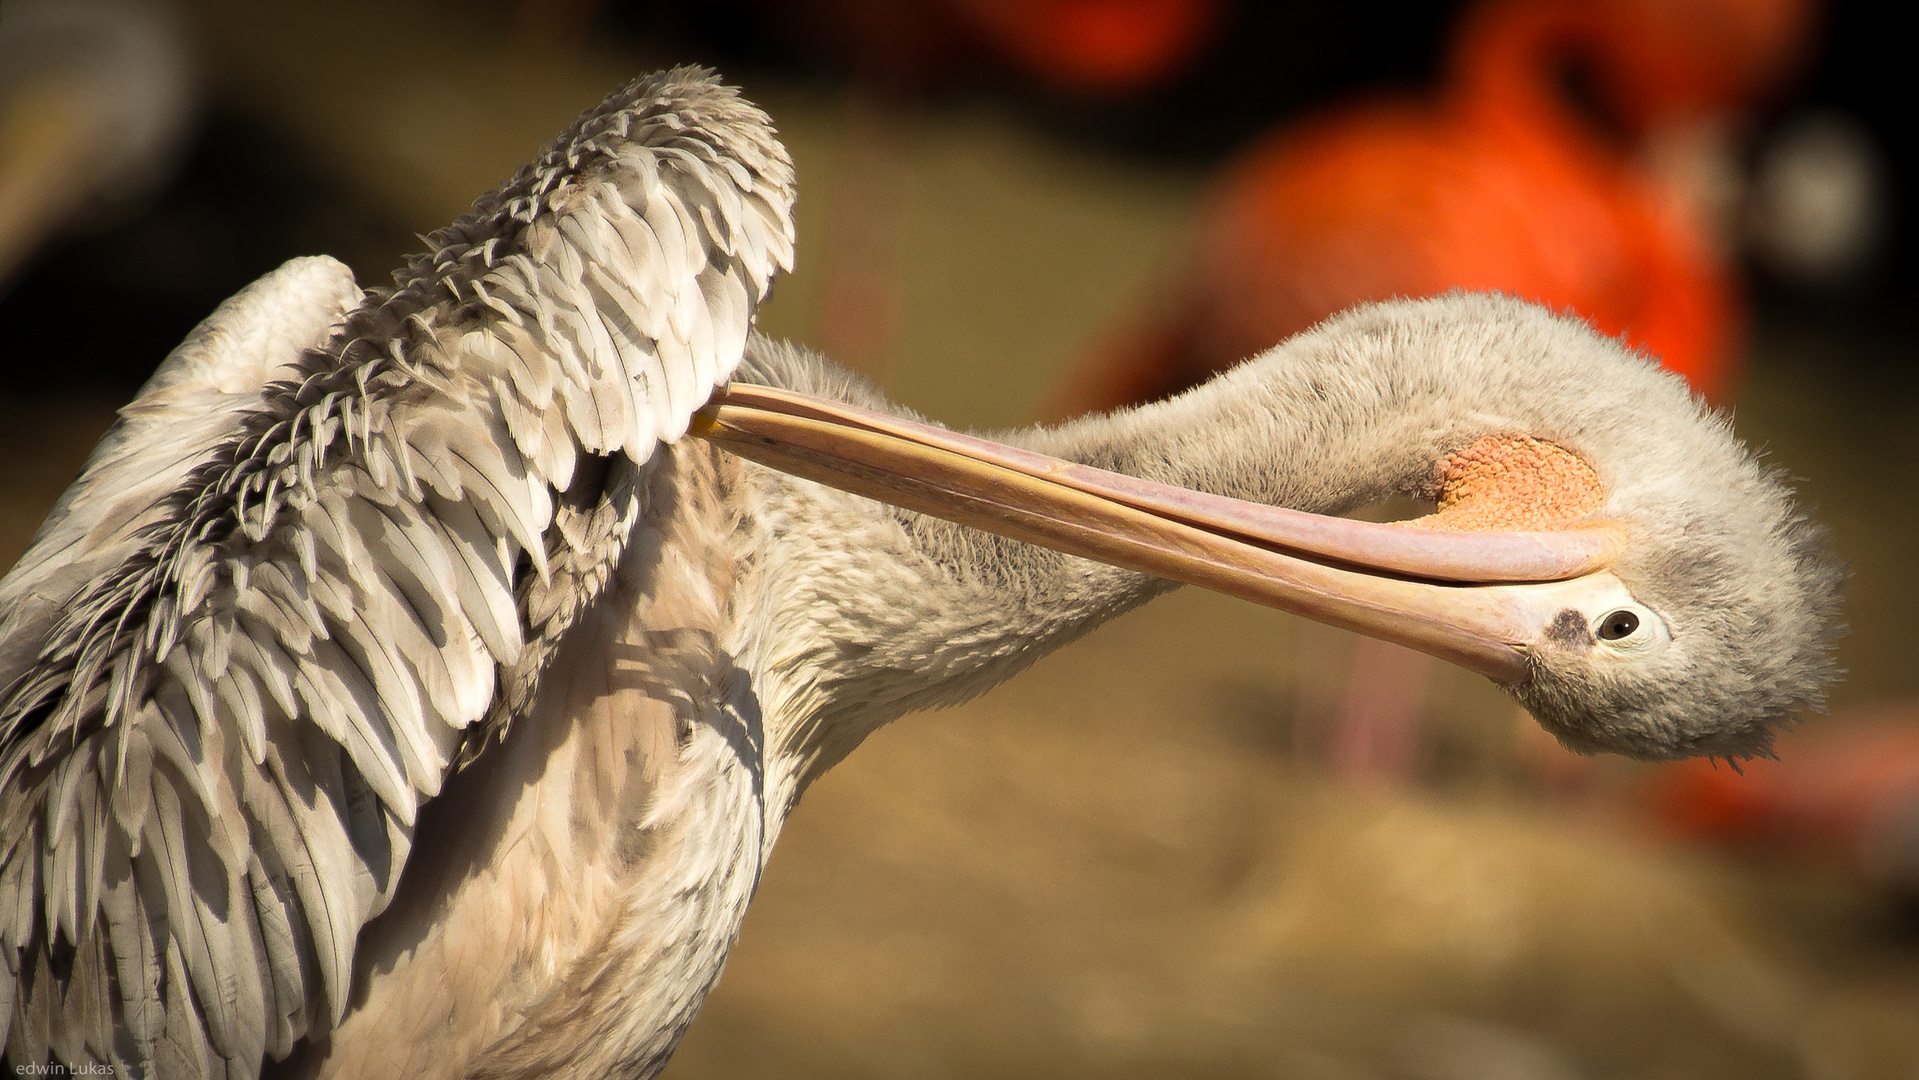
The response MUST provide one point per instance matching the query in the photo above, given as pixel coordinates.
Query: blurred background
(1210, 840)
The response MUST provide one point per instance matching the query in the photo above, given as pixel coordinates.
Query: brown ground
(1119, 865)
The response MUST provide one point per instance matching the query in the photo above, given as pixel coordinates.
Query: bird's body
(432, 712)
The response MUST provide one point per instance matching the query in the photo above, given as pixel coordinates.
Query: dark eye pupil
(1618, 625)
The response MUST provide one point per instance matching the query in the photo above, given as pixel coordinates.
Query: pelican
(400, 692)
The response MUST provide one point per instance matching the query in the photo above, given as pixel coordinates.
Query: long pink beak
(1473, 598)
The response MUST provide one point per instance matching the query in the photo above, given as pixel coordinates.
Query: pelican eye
(1618, 625)
(1628, 631)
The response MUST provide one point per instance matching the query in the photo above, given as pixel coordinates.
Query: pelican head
(1713, 626)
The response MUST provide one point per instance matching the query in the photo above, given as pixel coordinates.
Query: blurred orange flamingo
(1567, 159)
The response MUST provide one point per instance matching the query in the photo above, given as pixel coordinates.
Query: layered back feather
(316, 555)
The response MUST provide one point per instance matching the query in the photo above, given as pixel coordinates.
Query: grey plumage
(397, 694)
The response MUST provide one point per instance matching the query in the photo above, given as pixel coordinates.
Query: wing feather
(272, 614)
(281, 952)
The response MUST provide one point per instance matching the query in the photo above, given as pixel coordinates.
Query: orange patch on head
(1512, 483)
